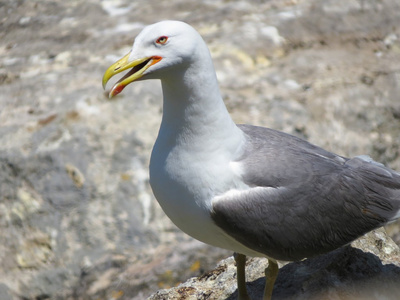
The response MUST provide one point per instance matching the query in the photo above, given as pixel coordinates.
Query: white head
(159, 47)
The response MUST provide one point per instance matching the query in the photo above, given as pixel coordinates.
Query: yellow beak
(138, 67)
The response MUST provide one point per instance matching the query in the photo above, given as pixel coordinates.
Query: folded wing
(303, 200)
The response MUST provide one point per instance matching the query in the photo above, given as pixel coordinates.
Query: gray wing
(313, 201)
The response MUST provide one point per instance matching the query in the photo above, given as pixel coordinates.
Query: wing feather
(303, 200)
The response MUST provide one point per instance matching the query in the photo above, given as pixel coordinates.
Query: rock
(5, 293)
(368, 269)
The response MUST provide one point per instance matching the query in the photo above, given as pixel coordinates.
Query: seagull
(252, 190)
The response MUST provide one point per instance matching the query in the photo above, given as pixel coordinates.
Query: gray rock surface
(77, 217)
(369, 269)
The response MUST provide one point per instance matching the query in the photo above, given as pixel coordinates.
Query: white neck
(198, 139)
(190, 162)
(194, 111)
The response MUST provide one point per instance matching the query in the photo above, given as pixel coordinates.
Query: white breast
(184, 183)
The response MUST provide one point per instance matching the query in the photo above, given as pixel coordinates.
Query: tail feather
(383, 185)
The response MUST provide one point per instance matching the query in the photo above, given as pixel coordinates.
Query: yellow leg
(270, 276)
(241, 276)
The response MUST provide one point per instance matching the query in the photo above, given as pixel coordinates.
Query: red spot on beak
(119, 89)
(116, 90)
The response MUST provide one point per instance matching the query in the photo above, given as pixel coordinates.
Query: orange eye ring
(162, 40)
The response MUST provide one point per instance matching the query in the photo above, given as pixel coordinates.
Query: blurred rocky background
(77, 217)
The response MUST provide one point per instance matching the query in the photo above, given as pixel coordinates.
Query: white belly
(185, 192)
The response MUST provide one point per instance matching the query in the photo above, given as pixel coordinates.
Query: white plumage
(249, 189)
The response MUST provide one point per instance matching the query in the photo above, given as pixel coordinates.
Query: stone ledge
(368, 269)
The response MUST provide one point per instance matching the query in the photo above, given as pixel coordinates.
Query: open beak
(137, 66)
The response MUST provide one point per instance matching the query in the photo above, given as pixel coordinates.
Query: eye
(162, 40)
